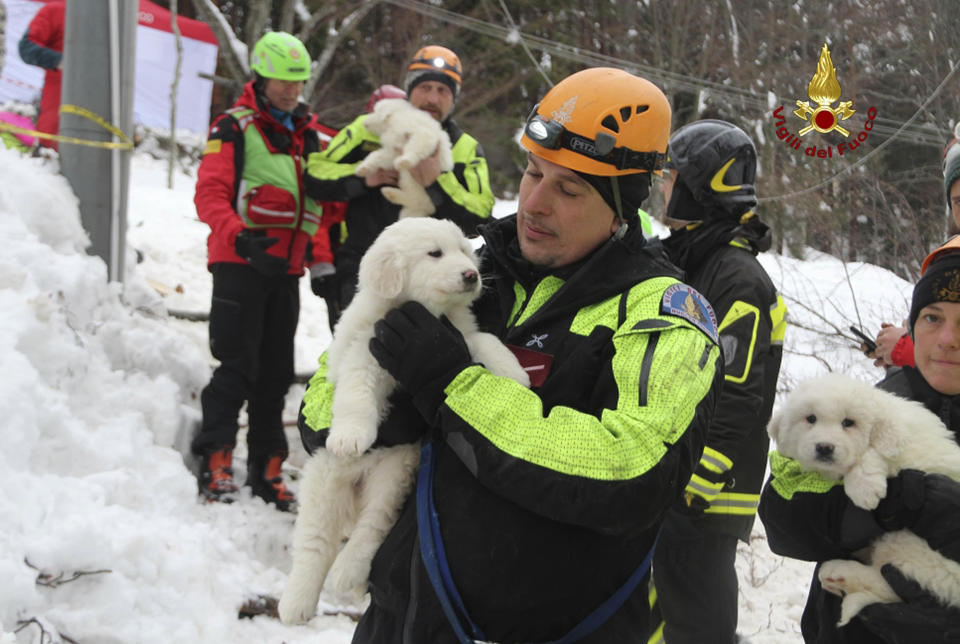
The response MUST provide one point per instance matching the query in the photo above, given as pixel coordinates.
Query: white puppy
(347, 491)
(407, 136)
(847, 429)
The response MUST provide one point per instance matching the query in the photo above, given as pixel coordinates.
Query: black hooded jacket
(548, 499)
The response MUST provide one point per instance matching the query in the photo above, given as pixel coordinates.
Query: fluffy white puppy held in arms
(848, 430)
(349, 489)
(407, 136)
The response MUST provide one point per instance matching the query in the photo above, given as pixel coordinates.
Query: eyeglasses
(552, 135)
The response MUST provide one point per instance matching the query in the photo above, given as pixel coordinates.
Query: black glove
(423, 353)
(901, 507)
(253, 248)
(918, 618)
(323, 280)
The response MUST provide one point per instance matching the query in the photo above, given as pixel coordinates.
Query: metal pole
(98, 63)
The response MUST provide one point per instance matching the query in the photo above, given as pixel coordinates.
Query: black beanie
(941, 283)
(634, 189)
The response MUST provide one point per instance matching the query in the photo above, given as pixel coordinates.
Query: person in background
(894, 345)
(250, 192)
(546, 501)
(42, 45)
(708, 189)
(463, 195)
(809, 517)
(333, 230)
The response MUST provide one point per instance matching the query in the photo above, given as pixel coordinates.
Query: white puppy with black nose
(850, 431)
(407, 136)
(349, 489)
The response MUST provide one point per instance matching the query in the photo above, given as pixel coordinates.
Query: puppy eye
(847, 422)
(811, 419)
(436, 253)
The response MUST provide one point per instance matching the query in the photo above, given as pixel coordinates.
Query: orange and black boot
(216, 476)
(265, 478)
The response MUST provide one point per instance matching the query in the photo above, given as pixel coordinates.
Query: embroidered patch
(535, 363)
(684, 301)
(213, 146)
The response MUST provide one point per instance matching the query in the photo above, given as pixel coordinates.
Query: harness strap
(435, 561)
(438, 570)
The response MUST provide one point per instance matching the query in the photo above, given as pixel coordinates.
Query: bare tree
(343, 31)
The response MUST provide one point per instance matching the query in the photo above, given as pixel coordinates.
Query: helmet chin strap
(622, 228)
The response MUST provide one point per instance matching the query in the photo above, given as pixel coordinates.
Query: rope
(124, 144)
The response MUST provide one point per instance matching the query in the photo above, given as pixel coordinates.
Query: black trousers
(253, 320)
(696, 580)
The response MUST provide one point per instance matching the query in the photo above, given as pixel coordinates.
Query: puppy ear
(773, 427)
(885, 436)
(381, 271)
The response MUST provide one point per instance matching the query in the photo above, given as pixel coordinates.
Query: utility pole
(99, 48)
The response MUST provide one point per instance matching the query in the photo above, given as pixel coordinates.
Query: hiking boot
(216, 476)
(265, 479)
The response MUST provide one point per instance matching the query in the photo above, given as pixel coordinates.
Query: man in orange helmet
(463, 195)
(536, 510)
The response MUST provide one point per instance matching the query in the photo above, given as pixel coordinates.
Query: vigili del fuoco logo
(823, 90)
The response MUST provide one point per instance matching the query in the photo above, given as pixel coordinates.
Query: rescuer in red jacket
(250, 193)
(42, 45)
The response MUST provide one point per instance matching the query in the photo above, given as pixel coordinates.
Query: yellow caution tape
(124, 144)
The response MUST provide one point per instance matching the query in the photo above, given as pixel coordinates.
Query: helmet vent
(610, 123)
(624, 114)
(642, 108)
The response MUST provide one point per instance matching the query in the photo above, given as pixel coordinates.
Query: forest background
(745, 61)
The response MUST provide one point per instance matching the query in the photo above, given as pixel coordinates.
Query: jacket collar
(611, 269)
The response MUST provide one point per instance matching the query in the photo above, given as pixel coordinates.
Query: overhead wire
(862, 160)
(516, 30)
(923, 135)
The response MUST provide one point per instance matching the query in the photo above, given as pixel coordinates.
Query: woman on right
(809, 517)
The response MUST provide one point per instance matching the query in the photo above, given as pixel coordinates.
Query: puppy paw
(298, 604)
(865, 492)
(352, 442)
(348, 578)
(832, 577)
(393, 195)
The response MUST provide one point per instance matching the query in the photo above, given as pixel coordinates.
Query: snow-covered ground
(102, 538)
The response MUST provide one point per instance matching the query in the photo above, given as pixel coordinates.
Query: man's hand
(887, 339)
(323, 280)
(423, 353)
(382, 177)
(426, 172)
(253, 248)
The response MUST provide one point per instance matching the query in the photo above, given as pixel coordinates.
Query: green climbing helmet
(281, 56)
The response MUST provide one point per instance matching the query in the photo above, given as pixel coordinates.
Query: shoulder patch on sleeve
(212, 147)
(684, 301)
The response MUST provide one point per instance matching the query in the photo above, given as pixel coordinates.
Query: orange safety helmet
(952, 246)
(434, 62)
(601, 121)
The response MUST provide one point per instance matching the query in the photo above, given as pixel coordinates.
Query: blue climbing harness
(438, 570)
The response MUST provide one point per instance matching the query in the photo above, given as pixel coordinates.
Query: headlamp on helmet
(437, 63)
(601, 121)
